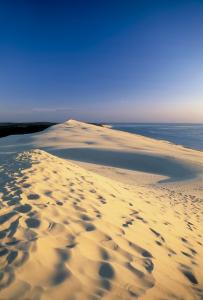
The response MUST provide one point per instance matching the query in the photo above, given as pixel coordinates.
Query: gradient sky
(136, 61)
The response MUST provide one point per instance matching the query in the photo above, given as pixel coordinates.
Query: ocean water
(188, 135)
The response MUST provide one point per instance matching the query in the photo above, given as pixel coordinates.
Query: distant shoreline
(7, 129)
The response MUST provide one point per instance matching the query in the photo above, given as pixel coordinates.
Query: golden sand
(70, 233)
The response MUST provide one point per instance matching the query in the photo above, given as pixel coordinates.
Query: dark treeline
(22, 128)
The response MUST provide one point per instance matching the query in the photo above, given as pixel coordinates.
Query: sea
(187, 135)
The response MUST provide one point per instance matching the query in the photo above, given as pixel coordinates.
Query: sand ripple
(67, 233)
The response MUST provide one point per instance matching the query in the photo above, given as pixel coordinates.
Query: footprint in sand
(33, 196)
(187, 272)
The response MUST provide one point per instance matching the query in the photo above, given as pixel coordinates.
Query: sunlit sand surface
(99, 214)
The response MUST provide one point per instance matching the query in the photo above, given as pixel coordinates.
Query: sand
(87, 212)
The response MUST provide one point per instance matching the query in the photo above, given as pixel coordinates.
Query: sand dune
(102, 146)
(68, 233)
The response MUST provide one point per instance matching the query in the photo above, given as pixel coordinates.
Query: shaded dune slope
(69, 232)
(174, 170)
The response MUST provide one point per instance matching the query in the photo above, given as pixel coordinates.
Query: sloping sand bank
(173, 169)
(67, 233)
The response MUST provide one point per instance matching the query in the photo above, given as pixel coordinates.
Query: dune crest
(104, 147)
(69, 232)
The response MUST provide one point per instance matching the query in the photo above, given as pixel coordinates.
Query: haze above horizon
(101, 61)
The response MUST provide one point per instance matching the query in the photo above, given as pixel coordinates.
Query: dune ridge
(103, 150)
(69, 233)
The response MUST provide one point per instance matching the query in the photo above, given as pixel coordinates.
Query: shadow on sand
(176, 170)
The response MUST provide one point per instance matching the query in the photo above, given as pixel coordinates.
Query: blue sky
(136, 61)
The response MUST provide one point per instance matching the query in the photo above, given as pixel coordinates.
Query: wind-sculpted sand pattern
(67, 233)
